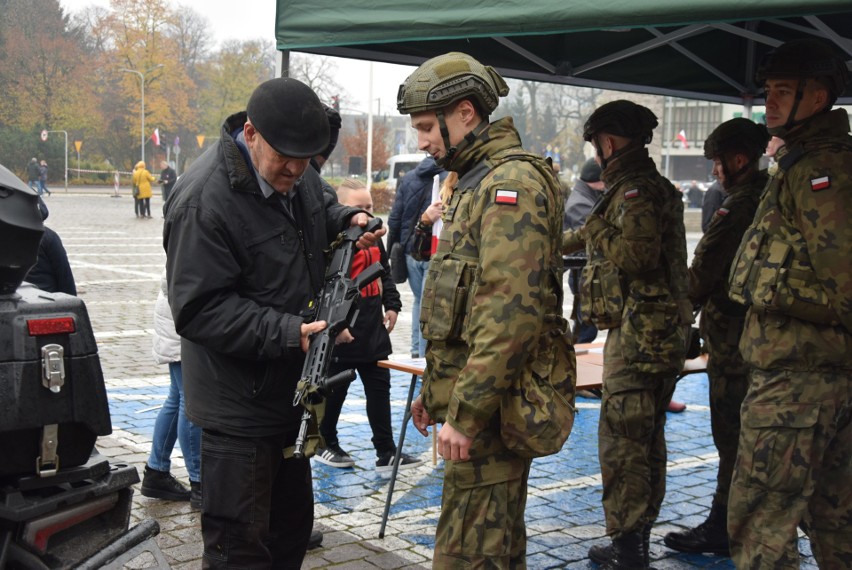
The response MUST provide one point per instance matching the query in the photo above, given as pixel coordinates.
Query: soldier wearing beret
(634, 285)
(244, 234)
(794, 461)
(491, 313)
(735, 147)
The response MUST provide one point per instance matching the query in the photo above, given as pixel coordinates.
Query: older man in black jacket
(245, 232)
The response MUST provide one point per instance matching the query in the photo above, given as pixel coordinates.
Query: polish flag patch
(722, 212)
(820, 183)
(630, 194)
(507, 197)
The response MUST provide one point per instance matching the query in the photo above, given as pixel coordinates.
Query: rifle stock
(337, 306)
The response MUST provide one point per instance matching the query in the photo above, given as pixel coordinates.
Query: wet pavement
(117, 260)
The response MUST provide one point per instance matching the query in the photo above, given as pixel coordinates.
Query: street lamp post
(142, 83)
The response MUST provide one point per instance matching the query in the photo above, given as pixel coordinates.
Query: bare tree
(191, 32)
(318, 73)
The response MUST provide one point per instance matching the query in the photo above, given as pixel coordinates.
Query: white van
(401, 164)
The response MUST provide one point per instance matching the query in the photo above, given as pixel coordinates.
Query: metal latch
(47, 464)
(53, 367)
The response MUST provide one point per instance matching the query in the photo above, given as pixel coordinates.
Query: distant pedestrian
(168, 176)
(42, 178)
(695, 195)
(32, 174)
(142, 180)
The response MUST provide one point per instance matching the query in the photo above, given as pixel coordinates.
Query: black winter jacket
(241, 269)
(372, 341)
(412, 198)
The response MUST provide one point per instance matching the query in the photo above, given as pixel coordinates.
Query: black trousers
(142, 206)
(257, 507)
(377, 390)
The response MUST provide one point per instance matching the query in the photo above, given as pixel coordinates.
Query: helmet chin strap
(445, 161)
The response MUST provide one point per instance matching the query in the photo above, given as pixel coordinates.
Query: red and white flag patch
(506, 197)
(722, 212)
(820, 183)
(630, 194)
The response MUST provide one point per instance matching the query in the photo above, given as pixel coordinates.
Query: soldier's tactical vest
(771, 271)
(537, 410)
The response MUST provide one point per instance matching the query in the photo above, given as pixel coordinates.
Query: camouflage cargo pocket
(770, 272)
(776, 448)
(537, 412)
(741, 267)
(652, 339)
(444, 313)
(601, 295)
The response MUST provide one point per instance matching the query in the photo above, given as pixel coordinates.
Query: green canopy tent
(701, 49)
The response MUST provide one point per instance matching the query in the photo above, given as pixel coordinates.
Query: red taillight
(60, 325)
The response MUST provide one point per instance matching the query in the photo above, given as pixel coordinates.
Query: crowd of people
(482, 229)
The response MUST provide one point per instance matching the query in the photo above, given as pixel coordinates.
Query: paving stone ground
(117, 260)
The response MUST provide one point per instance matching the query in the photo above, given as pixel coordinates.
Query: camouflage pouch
(444, 312)
(652, 337)
(744, 266)
(601, 296)
(537, 412)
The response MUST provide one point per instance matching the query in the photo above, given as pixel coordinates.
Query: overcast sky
(256, 19)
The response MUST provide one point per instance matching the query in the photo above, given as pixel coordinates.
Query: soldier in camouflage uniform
(735, 147)
(635, 285)
(492, 307)
(794, 462)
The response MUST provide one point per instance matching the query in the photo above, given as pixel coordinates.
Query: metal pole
(66, 160)
(142, 83)
(370, 129)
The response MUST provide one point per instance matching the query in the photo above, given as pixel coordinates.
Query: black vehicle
(62, 504)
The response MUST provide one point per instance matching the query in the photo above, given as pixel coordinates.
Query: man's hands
(369, 239)
(451, 443)
(307, 330)
(390, 320)
(420, 417)
(432, 213)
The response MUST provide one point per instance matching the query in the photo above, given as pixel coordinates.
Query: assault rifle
(337, 306)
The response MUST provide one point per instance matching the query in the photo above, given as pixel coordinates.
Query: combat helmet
(802, 59)
(447, 78)
(290, 117)
(621, 118)
(738, 136)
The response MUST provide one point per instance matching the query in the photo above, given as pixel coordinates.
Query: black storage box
(50, 375)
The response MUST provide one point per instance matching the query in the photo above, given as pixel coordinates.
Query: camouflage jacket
(792, 266)
(708, 274)
(493, 289)
(636, 277)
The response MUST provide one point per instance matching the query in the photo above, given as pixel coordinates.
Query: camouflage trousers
(631, 440)
(482, 509)
(794, 464)
(728, 375)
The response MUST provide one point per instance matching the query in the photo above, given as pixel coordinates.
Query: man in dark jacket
(168, 176)
(413, 196)
(713, 199)
(586, 192)
(244, 233)
(32, 174)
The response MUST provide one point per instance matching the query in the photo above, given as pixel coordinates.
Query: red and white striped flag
(681, 136)
(156, 137)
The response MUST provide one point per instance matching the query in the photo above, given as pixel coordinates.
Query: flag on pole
(156, 137)
(681, 136)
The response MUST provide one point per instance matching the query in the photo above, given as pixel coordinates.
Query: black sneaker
(163, 485)
(384, 464)
(333, 456)
(195, 495)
